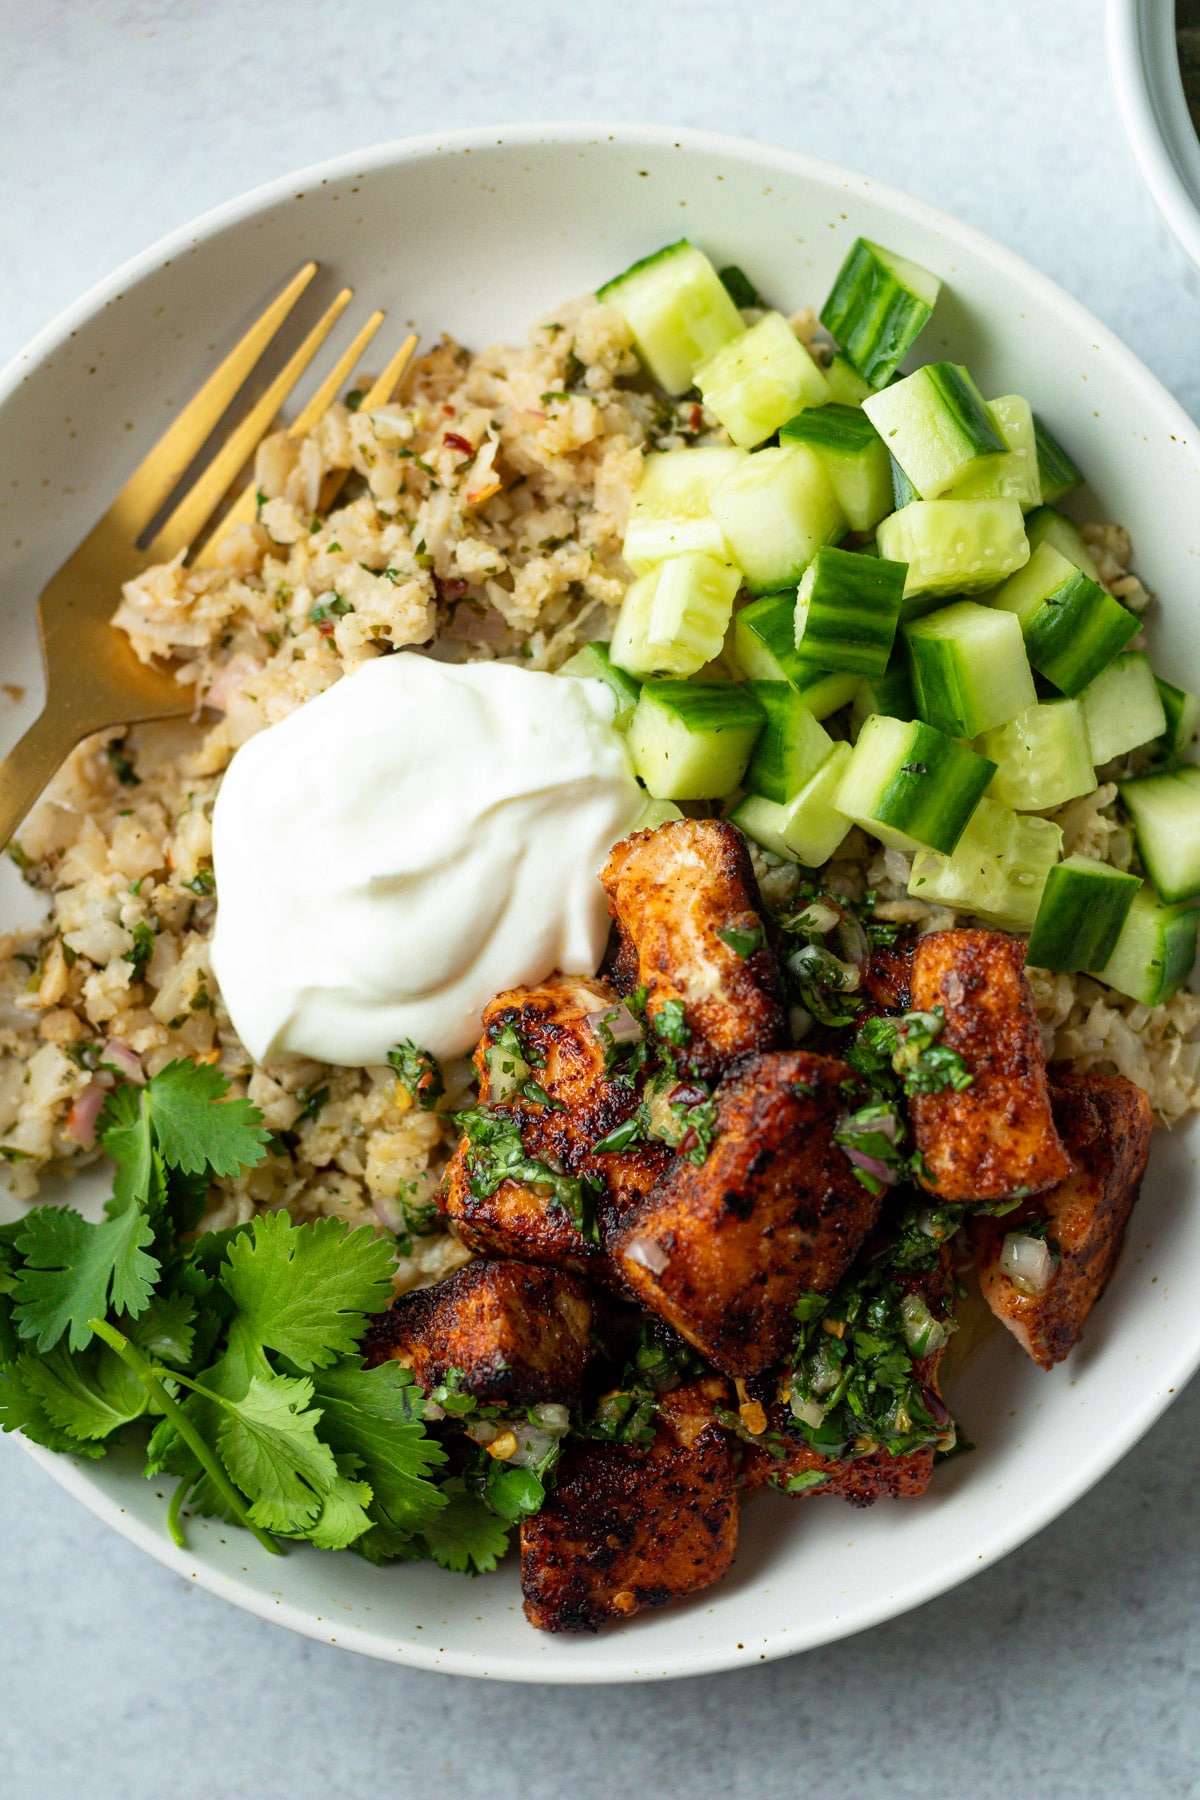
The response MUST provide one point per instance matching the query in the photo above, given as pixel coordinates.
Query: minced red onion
(389, 1210)
(1028, 1262)
(871, 1165)
(81, 1120)
(618, 1022)
(125, 1061)
(809, 1412)
(471, 626)
(648, 1254)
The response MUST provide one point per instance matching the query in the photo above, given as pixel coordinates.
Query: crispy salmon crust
(723, 1251)
(626, 1527)
(567, 1062)
(518, 1334)
(671, 892)
(998, 1135)
(859, 1479)
(1105, 1122)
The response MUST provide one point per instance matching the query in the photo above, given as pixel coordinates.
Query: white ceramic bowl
(1144, 62)
(479, 233)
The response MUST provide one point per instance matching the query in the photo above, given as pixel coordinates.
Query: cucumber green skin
(714, 723)
(1165, 810)
(953, 691)
(1076, 632)
(831, 427)
(1084, 905)
(937, 427)
(595, 663)
(890, 693)
(1182, 712)
(791, 745)
(1058, 473)
(853, 611)
(872, 318)
(807, 829)
(764, 648)
(903, 491)
(1155, 952)
(853, 455)
(929, 793)
(614, 286)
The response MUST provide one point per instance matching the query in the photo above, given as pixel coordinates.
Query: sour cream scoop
(407, 844)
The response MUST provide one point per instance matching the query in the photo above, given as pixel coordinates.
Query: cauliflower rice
(486, 521)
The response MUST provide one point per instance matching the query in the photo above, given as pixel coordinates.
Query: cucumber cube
(910, 786)
(791, 746)
(936, 424)
(678, 311)
(846, 385)
(759, 380)
(593, 663)
(955, 546)
(1072, 627)
(692, 740)
(854, 457)
(1015, 475)
(1084, 905)
(656, 813)
(1182, 713)
(1042, 757)
(671, 511)
(997, 871)
(969, 669)
(1165, 810)
(1123, 707)
(1058, 473)
(1155, 952)
(673, 619)
(847, 610)
(890, 693)
(807, 828)
(1046, 526)
(764, 649)
(776, 511)
(878, 303)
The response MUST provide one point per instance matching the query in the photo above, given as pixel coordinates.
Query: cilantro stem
(174, 1508)
(150, 1379)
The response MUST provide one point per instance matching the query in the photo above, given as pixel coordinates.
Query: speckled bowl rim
(907, 1591)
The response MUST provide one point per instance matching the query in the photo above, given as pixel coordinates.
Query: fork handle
(30, 764)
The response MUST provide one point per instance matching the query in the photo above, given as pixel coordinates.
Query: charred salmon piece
(517, 1334)
(998, 1135)
(564, 1055)
(672, 892)
(723, 1251)
(1105, 1123)
(627, 1527)
(886, 982)
(781, 1459)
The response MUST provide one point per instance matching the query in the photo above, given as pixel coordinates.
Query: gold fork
(93, 678)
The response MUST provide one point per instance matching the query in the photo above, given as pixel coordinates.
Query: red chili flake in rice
(454, 441)
(448, 588)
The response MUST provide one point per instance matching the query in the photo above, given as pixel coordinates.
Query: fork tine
(159, 471)
(378, 394)
(206, 493)
(243, 509)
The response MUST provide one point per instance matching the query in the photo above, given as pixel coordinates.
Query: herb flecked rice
(486, 520)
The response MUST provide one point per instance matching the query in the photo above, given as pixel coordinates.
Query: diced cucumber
(1058, 473)
(671, 511)
(937, 426)
(764, 649)
(776, 510)
(890, 693)
(955, 546)
(806, 828)
(1123, 707)
(594, 663)
(998, 868)
(1165, 810)
(903, 491)
(791, 746)
(854, 457)
(1155, 952)
(739, 287)
(847, 608)
(1042, 757)
(910, 785)
(846, 385)
(678, 310)
(1084, 905)
(1072, 627)
(692, 740)
(674, 618)
(1044, 525)
(969, 669)
(1015, 475)
(656, 813)
(1182, 713)
(756, 382)
(877, 305)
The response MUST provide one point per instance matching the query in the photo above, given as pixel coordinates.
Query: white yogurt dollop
(406, 845)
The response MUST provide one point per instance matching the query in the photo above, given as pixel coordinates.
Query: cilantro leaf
(375, 1416)
(191, 1131)
(343, 1518)
(87, 1394)
(305, 1290)
(167, 1329)
(466, 1535)
(21, 1410)
(268, 1442)
(74, 1271)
